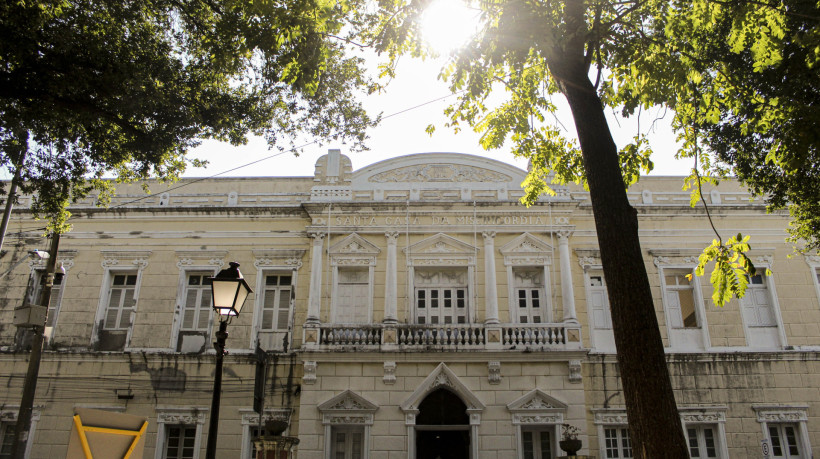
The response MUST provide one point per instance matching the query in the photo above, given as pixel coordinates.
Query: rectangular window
(536, 443)
(680, 299)
(441, 296)
(757, 304)
(121, 302)
(54, 299)
(702, 441)
(531, 296)
(180, 441)
(599, 302)
(785, 440)
(276, 303)
(352, 296)
(7, 430)
(347, 442)
(617, 443)
(196, 311)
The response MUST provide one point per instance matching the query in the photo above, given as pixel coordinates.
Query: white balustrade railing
(533, 335)
(350, 335)
(555, 336)
(456, 336)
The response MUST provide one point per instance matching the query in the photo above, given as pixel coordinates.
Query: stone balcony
(444, 337)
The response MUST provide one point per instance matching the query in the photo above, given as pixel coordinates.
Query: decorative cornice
(278, 258)
(181, 417)
(138, 258)
(189, 258)
(781, 413)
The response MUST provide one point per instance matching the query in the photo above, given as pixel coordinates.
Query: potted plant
(570, 443)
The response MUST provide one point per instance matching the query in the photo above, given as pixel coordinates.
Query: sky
(412, 101)
(419, 99)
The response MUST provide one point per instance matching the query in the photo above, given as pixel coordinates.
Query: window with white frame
(196, 306)
(54, 299)
(352, 295)
(786, 430)
(761, 317)
(599, 302)
(537, 417)
(7, 438)
(702, 441)
(179, 432)
(251, 429)
(347, 419)
(680, 299)
(276, 296)
(8, 427)
(441, 296)
(180, 441)
(194, 327)
(531, 296)
(121, 301)
(347, 442)
(616, 442)
(757, 304)
(784, 440)
(537, 442)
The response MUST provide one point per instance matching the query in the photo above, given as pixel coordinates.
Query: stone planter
(571, 447)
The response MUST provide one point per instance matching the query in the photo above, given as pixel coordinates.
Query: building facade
(407, 309)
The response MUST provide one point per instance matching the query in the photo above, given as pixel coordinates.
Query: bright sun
(447, 25)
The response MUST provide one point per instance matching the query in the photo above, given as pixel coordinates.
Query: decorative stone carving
(574, 371)
(138, 258)
(181, 417)
(764, 260)
(781, 413)
(309, 372)
(389, 373)
(611, 417)
(442, 376)
(440, 173)
(64, 258)
(661, 261)
(270, 415)
(189, 258)
(526, 250)
(537, 407)
(278, 258)
(812, 259)
(494, 372)
(347, 408)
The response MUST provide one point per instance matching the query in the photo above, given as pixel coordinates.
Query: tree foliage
(690, 56)
(94, 87)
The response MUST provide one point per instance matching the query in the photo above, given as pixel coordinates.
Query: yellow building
(411, 308)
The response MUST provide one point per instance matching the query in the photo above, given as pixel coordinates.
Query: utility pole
(23, 426)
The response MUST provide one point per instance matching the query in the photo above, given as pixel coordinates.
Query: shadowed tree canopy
(621, 55)
(93, 87)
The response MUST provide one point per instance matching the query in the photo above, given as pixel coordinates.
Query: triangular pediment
(348, 401)
(526, 244)
(536, 401)
(354, 245)
(443, 377)
(441, 244)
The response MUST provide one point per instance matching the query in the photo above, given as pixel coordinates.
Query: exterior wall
(444, 211)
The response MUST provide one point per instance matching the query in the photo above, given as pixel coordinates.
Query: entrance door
(442, 444)
(442, 427)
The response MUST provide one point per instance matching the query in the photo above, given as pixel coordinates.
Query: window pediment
(444, 377)
(347, 408)
(354, 245)
(441, 250)
(526, 249)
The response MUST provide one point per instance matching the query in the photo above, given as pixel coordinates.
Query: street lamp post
(229, 291)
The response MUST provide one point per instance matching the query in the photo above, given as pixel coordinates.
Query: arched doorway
(442, 427)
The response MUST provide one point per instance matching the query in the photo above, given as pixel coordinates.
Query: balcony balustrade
(408, 337)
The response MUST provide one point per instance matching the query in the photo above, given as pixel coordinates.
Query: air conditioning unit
(30, 315)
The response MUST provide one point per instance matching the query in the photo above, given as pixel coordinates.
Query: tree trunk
(654, 423)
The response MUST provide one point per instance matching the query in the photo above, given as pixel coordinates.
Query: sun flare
(447, 25)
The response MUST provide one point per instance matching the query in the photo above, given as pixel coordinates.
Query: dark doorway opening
(442, 427)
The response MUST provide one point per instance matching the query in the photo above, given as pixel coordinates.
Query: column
(391, 280)
(490, 287)
(315, 296)
(567, 292)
